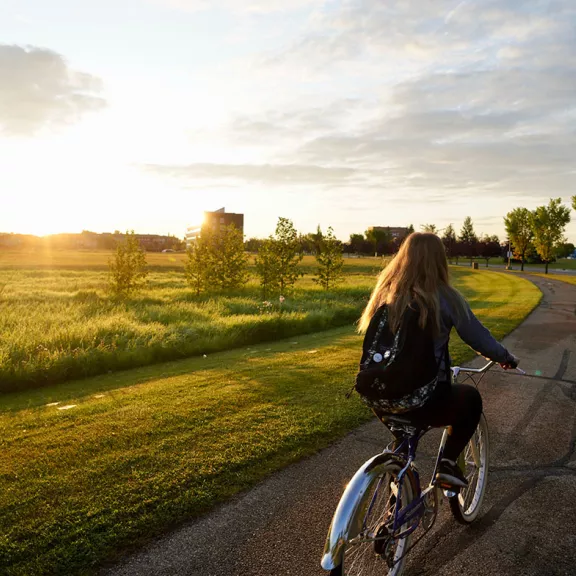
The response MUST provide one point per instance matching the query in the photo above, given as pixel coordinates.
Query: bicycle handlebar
(485, 368)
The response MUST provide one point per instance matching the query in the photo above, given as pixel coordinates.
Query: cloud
(413, 34)
(407, 107)
(251, 6)
(264, 174)
(38, 89)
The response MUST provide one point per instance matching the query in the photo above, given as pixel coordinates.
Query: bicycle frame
(416, 508)
(355, 505)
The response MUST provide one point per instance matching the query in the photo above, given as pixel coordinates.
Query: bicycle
(383, 505)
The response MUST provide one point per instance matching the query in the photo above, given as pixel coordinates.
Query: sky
(141, 114)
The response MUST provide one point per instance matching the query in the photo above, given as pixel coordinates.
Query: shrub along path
(91, 468)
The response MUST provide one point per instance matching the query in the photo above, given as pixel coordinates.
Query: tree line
(540, 231)
(217, 261)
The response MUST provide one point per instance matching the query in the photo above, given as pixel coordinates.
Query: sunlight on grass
(145, 449)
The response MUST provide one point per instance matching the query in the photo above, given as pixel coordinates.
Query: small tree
(380, 239)
(468, 239)
(267, 265)
(253, 244)
(410, 230)
(518, 225)
(429, 228)
(548, 224)
(467, 233)
(128, 266)
(288, 254)
(489, 247)
(228, 263)
(564, 250)
(330, 261)
(357, 243)
(197, 265)
(449, 241)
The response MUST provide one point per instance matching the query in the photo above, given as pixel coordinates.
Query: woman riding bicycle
(417, 279)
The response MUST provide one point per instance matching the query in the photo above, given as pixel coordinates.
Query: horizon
(335, 113)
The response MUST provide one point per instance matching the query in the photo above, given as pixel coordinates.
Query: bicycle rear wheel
(377, 551)
(466, 505)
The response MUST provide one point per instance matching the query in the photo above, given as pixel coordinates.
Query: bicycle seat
(395, 419)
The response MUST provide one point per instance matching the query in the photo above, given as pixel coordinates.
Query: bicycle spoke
(366, 554)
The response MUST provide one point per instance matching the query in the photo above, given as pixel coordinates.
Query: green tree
(330, 261)
(449, 240)
(317, 237)
(467, 234)
(548, 224)
(564, 250)
(574, 202)
(410, 230)
(228, 263)
(127, 269)
(288, 252)
(267, 265)
(468, 245)
(197, 265)
(518, 224)
(253, 244)
(379, 238)
(429, 228)
(310, 243)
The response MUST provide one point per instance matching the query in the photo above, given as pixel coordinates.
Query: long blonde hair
(419, 274)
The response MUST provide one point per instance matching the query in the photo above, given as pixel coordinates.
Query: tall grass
(57, 325)
(61, 324)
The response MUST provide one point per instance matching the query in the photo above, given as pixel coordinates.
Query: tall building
(214, 221)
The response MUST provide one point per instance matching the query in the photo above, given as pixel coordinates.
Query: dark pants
(457, 405)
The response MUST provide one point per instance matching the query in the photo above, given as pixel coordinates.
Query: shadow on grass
(231, 360)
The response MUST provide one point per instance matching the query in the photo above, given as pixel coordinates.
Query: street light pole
(509, 267)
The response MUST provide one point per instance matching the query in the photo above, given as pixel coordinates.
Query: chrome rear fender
(349, 516)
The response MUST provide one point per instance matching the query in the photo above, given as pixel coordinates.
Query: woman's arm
(477, 336)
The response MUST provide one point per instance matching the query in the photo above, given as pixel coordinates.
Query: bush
(128, 267)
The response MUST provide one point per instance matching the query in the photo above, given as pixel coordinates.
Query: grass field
(569, 279)
(58, 324)
(90, 468)
(98, 260)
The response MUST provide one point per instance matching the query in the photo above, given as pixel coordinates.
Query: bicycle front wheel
(378, 550)
(466, 505)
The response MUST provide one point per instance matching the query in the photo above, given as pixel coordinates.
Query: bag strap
(395, 344)
(381, 325)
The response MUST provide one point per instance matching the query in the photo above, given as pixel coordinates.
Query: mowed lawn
(92, 468)
(568, 278)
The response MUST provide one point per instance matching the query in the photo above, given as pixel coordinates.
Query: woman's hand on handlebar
(511, 363)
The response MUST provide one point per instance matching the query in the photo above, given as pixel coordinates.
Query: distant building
(214, 221)
(397, 233)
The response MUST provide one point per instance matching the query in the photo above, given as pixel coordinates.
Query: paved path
(515, 267)
(528, 523)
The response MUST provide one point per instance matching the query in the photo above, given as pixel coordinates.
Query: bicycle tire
(466, 505)
(375, 564)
